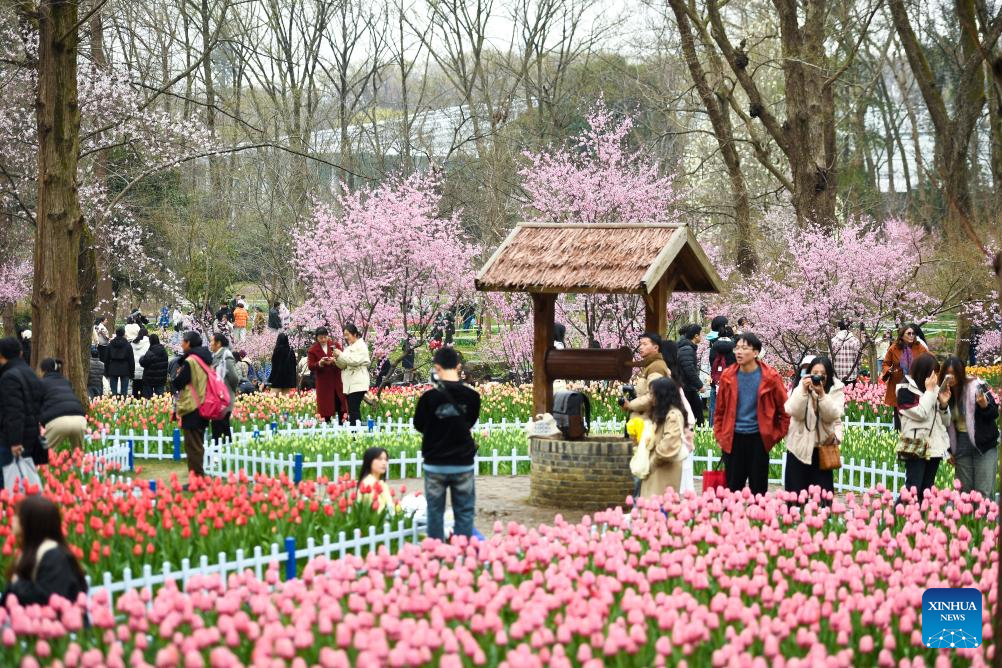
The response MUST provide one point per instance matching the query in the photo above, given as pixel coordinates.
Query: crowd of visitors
(940, 412)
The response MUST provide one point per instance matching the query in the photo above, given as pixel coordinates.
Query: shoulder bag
(915, 446)
(829, 456)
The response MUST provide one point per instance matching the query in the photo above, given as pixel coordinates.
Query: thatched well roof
(608, 258)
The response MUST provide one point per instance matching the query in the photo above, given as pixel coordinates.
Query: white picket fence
(160, 445)
(223, 460)
(259, 559)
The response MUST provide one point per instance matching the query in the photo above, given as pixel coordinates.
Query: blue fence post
(274, 427)
(297, 469)
(153, 486)
(370, 423)
(132, 463)
(177, 444)
(290, 558)
(257, 433)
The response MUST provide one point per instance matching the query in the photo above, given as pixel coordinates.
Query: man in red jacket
(749, 417)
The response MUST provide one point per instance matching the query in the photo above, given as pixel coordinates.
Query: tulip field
(116, 524)
(700, 581)
(499, 401)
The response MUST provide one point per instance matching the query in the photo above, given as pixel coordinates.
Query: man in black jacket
(20, 402)
(688, 361)
(444, 416)
(154, 364)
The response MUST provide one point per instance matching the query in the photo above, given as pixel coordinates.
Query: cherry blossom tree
(597, 178)
(865, 273)
(113, 115)
(383, 259)
(15, 280)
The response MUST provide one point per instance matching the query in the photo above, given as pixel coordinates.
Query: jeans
(748, 464)
(921, 474)
(94, 392)
(976, 472)
(464, 497)
(713, 403)
(239, 333)
(119, 385)
(880, 368)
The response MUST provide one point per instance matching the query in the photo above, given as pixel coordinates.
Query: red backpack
(217, 395)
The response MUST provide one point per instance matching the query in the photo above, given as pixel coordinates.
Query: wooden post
(656, 308)
(542, 327)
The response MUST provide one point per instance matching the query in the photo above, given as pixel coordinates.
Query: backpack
(572, 412)
(217, 396)
(719, 362)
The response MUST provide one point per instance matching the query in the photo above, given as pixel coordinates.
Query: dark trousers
(696, 403)
(119, 385)
(355, 407)
(194, 449)
(921, 474)
(150, 390)
(137, 388)
(221, 429)
(800, 476)
(748, 464)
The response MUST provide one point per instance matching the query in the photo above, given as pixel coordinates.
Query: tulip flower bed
(114, 525)
(700, 581)
(500, 401)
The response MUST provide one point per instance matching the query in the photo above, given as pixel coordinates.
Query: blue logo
(951, 618)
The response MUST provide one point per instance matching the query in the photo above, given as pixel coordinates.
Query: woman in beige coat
(354, 364)
(816, 405)
(666, 424)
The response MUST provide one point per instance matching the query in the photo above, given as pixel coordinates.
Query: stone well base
(590, 474)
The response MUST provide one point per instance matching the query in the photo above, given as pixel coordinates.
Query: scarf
(906, 359)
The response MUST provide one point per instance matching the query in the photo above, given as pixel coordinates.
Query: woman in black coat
(283, 365)
(120, 366)
(154, 364)
(62, 413)
(45, 567)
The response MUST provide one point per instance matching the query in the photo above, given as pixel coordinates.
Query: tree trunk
(55, 300)
(718, 111)
(104, 289)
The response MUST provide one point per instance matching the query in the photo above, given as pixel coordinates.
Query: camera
(629, 394)
(817, 379)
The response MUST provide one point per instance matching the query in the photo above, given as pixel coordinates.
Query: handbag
(21, 472)
(914, 446)
(640, 463)
(716, 477)
(829, 457)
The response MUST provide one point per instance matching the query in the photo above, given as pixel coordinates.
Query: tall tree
(713, 94)
(799, 118)
(952, 130)
(55, 300)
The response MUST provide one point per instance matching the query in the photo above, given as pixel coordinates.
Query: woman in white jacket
(354, 364)
(925, 413)
(140, 346)
(815, 406)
